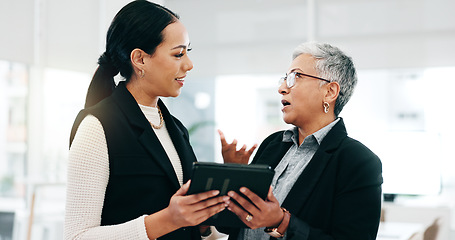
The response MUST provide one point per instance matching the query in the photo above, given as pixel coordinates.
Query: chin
(287, 120)
(176, 94)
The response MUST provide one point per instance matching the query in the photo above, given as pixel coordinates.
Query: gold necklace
(161, 121)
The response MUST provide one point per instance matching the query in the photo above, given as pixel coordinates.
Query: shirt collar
(291, 135)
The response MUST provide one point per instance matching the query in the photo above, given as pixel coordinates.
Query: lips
(285, 103)
(180, 79)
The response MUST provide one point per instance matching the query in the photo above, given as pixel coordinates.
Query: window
(13, 125)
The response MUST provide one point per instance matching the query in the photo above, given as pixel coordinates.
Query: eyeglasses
(290, 78)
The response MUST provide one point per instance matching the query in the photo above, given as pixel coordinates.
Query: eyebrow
(181, 46)
(292, 70)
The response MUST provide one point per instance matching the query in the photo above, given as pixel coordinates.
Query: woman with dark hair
(129, 157)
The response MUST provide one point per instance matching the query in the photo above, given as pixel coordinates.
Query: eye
(182, 52)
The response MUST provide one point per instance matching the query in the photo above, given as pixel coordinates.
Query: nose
(188, 65)
(283, 88)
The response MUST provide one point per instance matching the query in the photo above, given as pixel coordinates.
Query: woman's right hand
(230, 152)
(184, 210)
(191, 210)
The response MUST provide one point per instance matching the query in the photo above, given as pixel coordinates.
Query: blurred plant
(193, 128)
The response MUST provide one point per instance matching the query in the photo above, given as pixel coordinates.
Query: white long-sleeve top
(88, 175)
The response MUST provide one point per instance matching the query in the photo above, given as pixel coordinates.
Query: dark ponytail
(137, 25)
(102, 83)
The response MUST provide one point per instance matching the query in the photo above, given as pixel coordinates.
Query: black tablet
(226, 177)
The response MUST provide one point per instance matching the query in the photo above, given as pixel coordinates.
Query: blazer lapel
(146, 135)
(273, 154)
(181, 142)
(310, 176)
(306, 182)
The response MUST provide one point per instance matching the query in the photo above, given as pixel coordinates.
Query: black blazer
(141, 177)
(338, 195)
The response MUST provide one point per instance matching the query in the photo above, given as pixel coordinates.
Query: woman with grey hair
(326, 184)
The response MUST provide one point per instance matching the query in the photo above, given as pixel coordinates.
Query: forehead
(175, 34)
(305, 62)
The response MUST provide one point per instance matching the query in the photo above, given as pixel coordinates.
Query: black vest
(141, 177)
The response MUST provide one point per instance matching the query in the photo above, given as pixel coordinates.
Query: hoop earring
(326, 106)
(141, 73)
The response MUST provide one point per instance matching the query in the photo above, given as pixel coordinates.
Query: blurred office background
(402, 108)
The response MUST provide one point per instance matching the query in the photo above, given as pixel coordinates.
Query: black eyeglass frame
(300, 74)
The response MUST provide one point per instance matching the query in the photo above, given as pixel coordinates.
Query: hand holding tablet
(229, 177)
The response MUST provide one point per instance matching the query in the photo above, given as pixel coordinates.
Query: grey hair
(332, 64)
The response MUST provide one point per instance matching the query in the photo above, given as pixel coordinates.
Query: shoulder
(271, 148)
(177, 122)
(90, 121)
(89, 135)
(180, 127)
(356, 161)
(271, 140)
(276, 136)
(355, 149)
(345, 147)
(97, 112)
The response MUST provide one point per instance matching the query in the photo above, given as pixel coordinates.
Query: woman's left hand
(259, 213)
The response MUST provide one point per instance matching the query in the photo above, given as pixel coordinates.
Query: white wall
(56, 33)
(257, 36)
(240, 36)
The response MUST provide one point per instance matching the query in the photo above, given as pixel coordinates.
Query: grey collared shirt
(290, 168)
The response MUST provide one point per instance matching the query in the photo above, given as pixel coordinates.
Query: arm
(262, 213)
(344, 205)
(354, 209)
(184, 210)
(353, 219)
(355, 215)
(88, 174)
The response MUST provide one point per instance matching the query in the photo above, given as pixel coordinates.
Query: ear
(332, 92)
(137, 58)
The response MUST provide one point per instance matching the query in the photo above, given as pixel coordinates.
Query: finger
(205, 213)
(258, 202)
(210, 207)
(222, 138)
(244, 203)
(243, 148)
(240, 212)
(252, 149)
(195, 198)
(208, 203)
(270, 195)
(195, 213)
(184, 189)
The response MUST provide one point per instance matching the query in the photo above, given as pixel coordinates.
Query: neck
(140, 96)
(309, 128)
